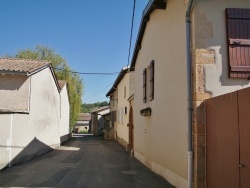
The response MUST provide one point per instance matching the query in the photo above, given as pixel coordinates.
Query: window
(144, 85)
(238, 40)
(113, 118)
(151, 80)
(125, 110)
(125, 92)
(148, 92)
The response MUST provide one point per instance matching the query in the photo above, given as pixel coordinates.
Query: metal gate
(228, 140)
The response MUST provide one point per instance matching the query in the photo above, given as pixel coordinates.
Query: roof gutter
(4, 72)
(189, 91)
(118, 80)
(151, 7)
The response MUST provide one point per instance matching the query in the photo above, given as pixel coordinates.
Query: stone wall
(201, 59)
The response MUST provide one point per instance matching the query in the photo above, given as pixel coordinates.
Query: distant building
(97, 120)
(121, 108)
(82, 123)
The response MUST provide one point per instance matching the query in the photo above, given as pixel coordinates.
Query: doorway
(227, 140)
(131, 130)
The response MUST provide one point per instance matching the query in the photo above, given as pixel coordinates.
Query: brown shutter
(151, 81)
(238, 40)
(114, 116)
(144, 85)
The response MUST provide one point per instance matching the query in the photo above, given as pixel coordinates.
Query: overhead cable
(93, 73)
(131, 32)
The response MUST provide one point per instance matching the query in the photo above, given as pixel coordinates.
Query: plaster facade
(26, 135)
(210, 71)
(113, 114)
(64, 115)
(160, 140)
(209, 33)
(122, 132)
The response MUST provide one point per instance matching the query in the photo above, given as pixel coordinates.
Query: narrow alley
(89, 162)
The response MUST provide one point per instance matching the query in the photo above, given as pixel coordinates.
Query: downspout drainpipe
(189, 90)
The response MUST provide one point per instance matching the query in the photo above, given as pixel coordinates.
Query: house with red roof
(34, 110)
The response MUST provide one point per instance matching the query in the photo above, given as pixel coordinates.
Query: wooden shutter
(151, 80)
(238, 40)
(144, 85)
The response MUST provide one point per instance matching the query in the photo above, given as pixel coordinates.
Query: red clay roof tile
(21, 65)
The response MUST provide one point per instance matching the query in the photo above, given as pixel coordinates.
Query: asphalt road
(88, 162)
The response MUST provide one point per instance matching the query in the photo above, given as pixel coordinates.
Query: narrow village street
(88, 162)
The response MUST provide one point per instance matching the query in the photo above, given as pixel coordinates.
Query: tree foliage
(62, 71)
(88, 107)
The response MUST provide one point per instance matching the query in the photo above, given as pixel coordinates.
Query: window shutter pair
(144, 85)
(151, 81)
(238, 40)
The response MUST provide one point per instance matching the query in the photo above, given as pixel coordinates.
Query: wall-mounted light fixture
(146, 112)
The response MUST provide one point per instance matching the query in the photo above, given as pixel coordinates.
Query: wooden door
(131, 129)
(222, 142)
(244, 133)
(228, 140)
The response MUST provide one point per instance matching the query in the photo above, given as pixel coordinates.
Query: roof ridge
(14, 58)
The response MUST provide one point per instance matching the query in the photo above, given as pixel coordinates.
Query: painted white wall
(5, 138)
(212, 35)
(65, 113)
(35, 132)
(160, 140)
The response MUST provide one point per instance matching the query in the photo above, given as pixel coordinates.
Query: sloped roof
(100, 109)
(151, 7)
(84, 117)
(62, 83)
(21, 66)
(25, 67)
(118, 80)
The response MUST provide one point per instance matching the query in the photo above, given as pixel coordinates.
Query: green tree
(62, 71)
(88, 107)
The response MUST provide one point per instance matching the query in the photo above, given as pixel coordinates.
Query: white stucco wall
(160, 140)
(5, 122)
(65, 113)
(36, 132)
(209, 32)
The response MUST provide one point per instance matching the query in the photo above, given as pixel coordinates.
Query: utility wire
(131, 32)
(93, 73)
(98, 92)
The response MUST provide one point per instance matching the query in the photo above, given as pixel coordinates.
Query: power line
(98, 92)
(131, 32)
(96, 99)
(90, 73)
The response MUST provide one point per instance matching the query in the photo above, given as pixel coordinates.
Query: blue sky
(93, 36)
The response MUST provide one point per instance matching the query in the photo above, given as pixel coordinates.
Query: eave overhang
(118, 80)
(151, 6)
